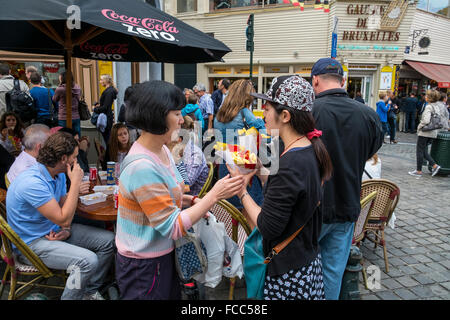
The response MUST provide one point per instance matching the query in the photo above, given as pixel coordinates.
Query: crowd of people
(316, 187)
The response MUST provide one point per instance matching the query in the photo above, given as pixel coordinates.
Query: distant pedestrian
(410, 107)
(352, 134)
(60, 98)
(426, 137)
(206, 105)
(382, 110)
(359, 97)
(392, 115)
(105, 106)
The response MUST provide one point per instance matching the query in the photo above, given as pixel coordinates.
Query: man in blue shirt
(40, 211)
(206, 105)
(42, 101)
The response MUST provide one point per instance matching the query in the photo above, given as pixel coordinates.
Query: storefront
(48, 67)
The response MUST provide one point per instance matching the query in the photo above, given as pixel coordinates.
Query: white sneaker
(94, 296)
(415, 174)
(434, 171)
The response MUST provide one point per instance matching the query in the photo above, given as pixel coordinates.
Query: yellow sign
(220, 70)
(345, 69)
(387, 78)
(246, 71)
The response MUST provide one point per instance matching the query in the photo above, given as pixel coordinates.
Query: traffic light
(249, 32)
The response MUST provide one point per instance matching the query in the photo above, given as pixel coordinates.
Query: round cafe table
(102, 211)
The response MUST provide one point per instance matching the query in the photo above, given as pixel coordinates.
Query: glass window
(434, 6)
(186, 6)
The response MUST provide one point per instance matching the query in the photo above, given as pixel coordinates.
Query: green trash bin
(440, 152)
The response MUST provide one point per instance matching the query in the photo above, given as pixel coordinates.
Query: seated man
(34, 138)
(40, 211)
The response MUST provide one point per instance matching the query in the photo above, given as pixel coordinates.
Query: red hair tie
(314, 134)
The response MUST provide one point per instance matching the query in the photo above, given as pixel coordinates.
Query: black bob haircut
(149, 103)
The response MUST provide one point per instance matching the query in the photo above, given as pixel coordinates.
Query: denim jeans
(87, 255)
(392, 126)
(410, 121)
(75, 125)
(335, 241)
(422, 151)
(385, 128)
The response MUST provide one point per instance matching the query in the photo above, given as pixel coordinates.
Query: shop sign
(220, 70)
(386, 78)
(381, 22)
(51, 67)
(444, 84)
(375, 47)
(362, 67)
(245, 71)
(284, 69)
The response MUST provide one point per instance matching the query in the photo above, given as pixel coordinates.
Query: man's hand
(75, 174)
(60, 236)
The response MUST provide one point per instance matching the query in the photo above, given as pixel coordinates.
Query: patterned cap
(291, 91)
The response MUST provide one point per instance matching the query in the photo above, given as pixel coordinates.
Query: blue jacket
(42, 101)
(198, 113)
(238, 123)
(382, 110)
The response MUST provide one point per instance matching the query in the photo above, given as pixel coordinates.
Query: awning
(437, 72)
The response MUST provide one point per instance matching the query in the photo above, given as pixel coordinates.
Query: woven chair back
(387, 198)
(208, 181)
(236, 225)
(366, 208)
(9, 236)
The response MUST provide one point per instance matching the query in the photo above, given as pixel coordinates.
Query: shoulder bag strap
(50, 103)
(365, 171)
(246, 126)
(279, 247)
(17, 84)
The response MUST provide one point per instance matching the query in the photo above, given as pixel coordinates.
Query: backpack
(192, 114)
(21, 103)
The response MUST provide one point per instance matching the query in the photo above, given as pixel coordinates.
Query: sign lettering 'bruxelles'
(370, 14)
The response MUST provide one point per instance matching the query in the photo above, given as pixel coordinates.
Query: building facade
(372, 37)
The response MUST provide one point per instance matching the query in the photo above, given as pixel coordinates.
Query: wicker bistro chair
(38, 270)
(207, 186)
(388, 194)
(236, 227)
(100, 153)
(367, 205)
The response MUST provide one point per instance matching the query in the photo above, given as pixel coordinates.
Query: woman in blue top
(231, 116)
(382, 110)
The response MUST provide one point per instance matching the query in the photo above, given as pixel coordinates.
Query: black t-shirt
(291, 199)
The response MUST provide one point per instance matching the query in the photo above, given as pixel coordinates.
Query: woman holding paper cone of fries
(234, 115)
(292, 195)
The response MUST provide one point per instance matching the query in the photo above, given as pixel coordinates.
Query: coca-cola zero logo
(147, 27)
(111, 51)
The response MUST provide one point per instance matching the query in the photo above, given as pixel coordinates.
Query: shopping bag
(190, 256)
(211, 233)
(254, 266)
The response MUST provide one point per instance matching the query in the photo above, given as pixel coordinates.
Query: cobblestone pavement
(419, 246)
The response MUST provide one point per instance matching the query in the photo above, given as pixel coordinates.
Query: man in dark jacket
(410, 108)
(352, 133)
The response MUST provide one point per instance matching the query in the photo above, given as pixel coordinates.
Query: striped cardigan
(149, 216)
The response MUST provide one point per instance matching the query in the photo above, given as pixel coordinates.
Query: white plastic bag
(212, 234)
(232, 265)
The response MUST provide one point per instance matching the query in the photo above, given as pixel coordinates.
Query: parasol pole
(68, 47)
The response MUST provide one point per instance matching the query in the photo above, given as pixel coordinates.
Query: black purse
(83, 110)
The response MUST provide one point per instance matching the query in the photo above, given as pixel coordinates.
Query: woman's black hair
(149, 104)
(303, 122)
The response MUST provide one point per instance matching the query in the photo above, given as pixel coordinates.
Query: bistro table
(102, 211)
